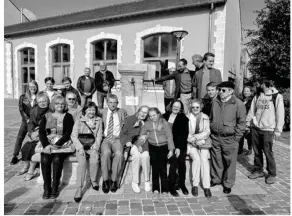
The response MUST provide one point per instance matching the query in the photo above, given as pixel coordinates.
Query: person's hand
(177, 152)
(170, 154)
(34, 135)
(192, 139)
(81, 151)
(47, 150)
(126, 155)
(277, 135)
(140, 149)
(94, 154)
(129, 144)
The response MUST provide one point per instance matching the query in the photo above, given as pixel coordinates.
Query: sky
(46, 8)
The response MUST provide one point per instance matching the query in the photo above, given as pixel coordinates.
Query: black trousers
(241, 142)
(179, 163)
(158, 160)
(20, 137)
(46, 162)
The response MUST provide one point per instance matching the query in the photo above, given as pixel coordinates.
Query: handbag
(87, 139)
(67, 147)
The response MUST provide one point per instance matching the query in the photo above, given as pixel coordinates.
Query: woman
(26, 103)
(28, 149)
(180, 131)
(140, 155)
(88, 123)
(60, 123)
(199, 144)
(161, 148)
(247, 96)
(73, 108)
(49, 81)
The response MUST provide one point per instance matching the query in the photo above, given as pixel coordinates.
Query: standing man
(198, 62)
(227, 124)
(113, 120)
(169, 90)
(104, 81)
(183, 83)
(69, 88)
(86, 87)
(205, 75)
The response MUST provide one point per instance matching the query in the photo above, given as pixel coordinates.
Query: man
(212, 93)
(73, 108)
(169, 90)
(104, 81)
(205, 75)
(183, 83)
(227, 124)
(86, 87)
(265, 120)
(198, 62)
(69, 88)
(113, 119)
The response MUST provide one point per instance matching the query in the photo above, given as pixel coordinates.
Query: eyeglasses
(60, 104)
(195, 107)
(223, 90)
(73, 99)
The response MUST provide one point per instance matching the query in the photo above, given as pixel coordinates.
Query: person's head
(142, 112)
(247, 92)
(87, 71)
(212, 89)
(267, 85)
(154, 114)
(43, 100)
(102, 66)
(171, 70)
(67, 82)
(112, 102)
(197, 60)
(208, 60)
(225, 89)
(182, 64)
(90, 110)
(60, 104)
(32, 88)
(71, 99)
(196, 106)
(49, 81)
(176, 107)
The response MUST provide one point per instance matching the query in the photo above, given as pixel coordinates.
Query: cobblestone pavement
(247, 197)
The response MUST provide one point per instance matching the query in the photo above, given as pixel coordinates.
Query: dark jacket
(74, 90)
(177, 77)
(207, 101)
(130, 133)
(99, 81)
(215, 76)
(248, 103)
(68, 124)
(25, 107)
(80, 85)
(229, 118)
(180, 130)
(36, 115)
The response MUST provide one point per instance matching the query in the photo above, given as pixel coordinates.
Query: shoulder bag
(87, 139)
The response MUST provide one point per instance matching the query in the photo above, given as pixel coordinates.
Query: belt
(186, 92)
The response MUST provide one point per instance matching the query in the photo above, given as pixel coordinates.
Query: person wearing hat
(227, 124)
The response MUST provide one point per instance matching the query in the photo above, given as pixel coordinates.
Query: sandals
(22, 171)
(30, 176)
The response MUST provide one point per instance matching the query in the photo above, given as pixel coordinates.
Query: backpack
(274, 98)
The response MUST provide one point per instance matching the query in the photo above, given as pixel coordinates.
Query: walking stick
(124, 167)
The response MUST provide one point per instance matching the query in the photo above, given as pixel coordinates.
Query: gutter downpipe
(210, 27)
(12, 62)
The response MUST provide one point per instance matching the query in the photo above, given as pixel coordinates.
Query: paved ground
(247, 197)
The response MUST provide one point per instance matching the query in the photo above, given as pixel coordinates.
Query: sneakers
(270, 179)
(135, 187)
(147, 186)
(14, 160)
(164, 197)
(155, 196)
(256, 175)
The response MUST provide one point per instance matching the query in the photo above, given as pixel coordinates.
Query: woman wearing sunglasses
(73, 108)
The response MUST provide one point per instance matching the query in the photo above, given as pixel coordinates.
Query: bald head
(197, 60)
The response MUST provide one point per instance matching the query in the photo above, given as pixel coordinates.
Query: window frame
(105, 42)
(29, 65)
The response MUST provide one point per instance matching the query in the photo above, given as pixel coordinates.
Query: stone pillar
(132, 75)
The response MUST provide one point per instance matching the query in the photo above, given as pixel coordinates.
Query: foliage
(286, 99)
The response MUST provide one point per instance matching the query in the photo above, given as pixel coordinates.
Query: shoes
(256, 175)
(78, 197)
(54, 194)
(164, 197)
(213, 184)
(195, 191)
(105, 186)
(46, 194)
(147, 186)
(136, 187)
(95, 187)
(114, 187)
(184, 189)
(270, 179)
(22, 171)
(226, 190)
(14, 160)
(207, 193)
(155, 196)
(174, 193)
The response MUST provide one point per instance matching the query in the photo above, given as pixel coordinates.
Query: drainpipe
(12, 62)
(210, 27)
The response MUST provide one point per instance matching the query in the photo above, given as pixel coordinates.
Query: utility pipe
(210, 27)
(12, 62)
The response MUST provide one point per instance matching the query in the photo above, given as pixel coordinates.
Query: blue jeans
(20, 137)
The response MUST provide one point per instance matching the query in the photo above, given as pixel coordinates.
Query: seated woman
(28, 149)
(88, 123)
(61, 123)
(199, 144)
(140, 155)
(73, 108)
(180, 131)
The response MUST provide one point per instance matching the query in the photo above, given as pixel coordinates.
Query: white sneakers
(136, 187)
(147, 186)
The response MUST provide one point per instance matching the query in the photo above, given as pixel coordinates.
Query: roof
(103, 14)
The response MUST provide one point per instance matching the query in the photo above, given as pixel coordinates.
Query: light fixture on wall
(179, 35)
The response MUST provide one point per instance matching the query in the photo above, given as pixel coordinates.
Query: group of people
(204, 120)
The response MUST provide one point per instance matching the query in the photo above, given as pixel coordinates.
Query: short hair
(207, 55)
(178, 101)
(50, 79)
(198, 56)
(87, 68)
(184, 61)
(66, 79)
(43, 94)
(268, 83)
(212, 84)
(70, 92)
(199, 101)
(59, 98)
(112, 96)
(89, 105)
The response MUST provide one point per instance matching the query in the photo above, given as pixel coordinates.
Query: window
(105, 50)
(60, 61)
(160, 51)
(27, 67)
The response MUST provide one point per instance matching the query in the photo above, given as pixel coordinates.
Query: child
(212, 92)
(161, 148)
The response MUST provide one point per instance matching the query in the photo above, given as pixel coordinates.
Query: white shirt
(116, 129)
(50, 94)
(171, 83)
(32, 100)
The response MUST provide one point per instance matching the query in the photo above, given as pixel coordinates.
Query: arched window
(60, 61)
(105, 50)
(27, 66)
(160, 50)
